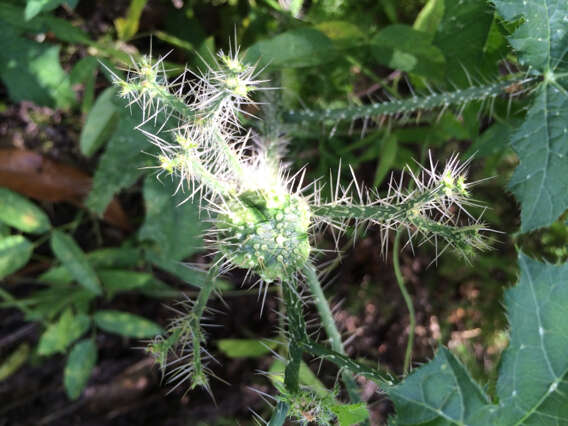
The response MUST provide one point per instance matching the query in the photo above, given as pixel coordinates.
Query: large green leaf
(404, 48)
(80, 363)
(75, 261)
(126, 324)
(122, 162)
(21, 214)
(441, 392)
(533, 386)
(59, 335)
(542, 40)
(297, 48)
(539, 182)
(15, 251)
(174, 226)
(31, 71)
(464, 36)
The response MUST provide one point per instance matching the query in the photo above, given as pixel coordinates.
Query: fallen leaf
(35, 176)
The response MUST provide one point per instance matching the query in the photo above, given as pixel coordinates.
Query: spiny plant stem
(343, 361)
(329, 326)
(407, 300)
(297, 331)
(405, 106)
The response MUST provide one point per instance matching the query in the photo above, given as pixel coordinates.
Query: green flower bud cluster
(267, 232)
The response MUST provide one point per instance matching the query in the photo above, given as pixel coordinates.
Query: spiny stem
(407, 300)
(405, 106)
(297, 330)
(329, 326)
(343, 361)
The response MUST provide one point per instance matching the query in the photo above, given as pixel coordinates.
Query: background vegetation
(92, 245)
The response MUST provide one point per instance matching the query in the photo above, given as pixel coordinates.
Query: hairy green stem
(405, 106)
(343, 361)
(407, 300)
(329, 326)
(297, 331)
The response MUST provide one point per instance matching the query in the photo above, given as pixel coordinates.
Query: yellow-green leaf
(80, 363)
(21, 213)
(126, 324)
(59, 335)
(15, 251)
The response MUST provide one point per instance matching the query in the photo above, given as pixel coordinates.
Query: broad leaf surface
(542, 39)
(441, 392)
(532, 386)
(540, 182)
(174, 226)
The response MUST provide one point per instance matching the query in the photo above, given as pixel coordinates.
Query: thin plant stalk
(407, 301)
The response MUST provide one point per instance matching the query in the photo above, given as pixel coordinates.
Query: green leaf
(440, 392)
(244, 348)
(387, 157)
(100, 123)
(430, 17)
(404, 48)
(22, 214)
(59, 335)
(121, 164)
(113, 257)
(14, 361)
(541, 39)
(32, 72)
(122, 280)
(15, 251)
(126, 324)
(33, 7)
(463, 36)
(532, 385)
(174, 226)
(128, 27)
(539, 182)
(80, 363)
(84, 72)
(351, 414)
(75, 261)
(302, 47)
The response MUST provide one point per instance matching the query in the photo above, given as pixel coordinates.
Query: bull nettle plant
(264, 219)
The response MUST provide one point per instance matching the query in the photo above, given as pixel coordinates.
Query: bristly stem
(297, 331)
(329, 326)
(407, 300)
(279, 415)
(405, 106)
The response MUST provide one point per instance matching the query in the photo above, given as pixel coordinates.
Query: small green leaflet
(244, 348)
(126, 324)
(22, 214)
(80, 363)
(33, 7)
(15, 251)
(59, 335)
(75, 261)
